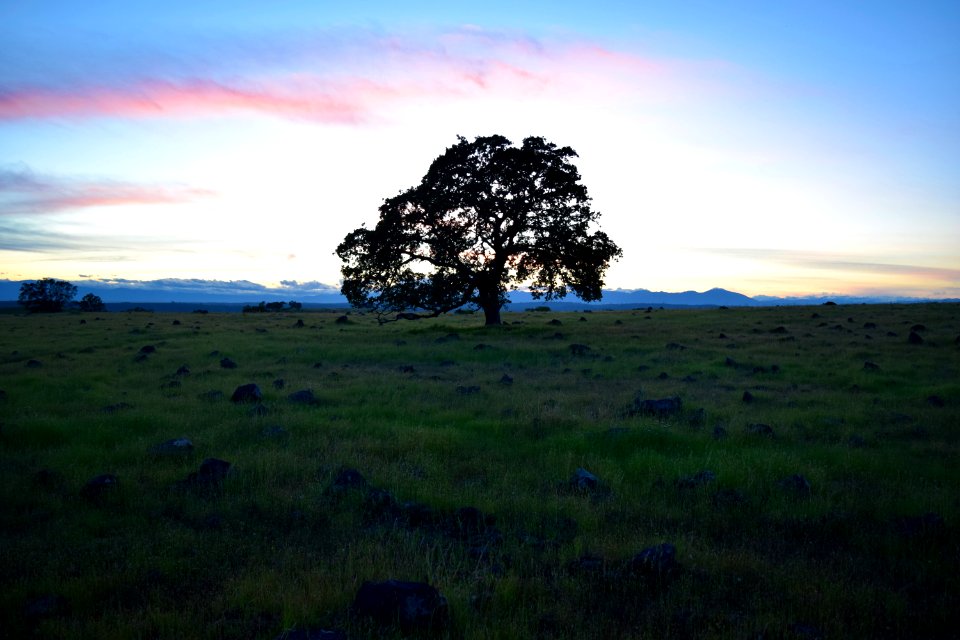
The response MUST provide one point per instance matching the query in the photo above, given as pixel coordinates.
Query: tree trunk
(491, 313)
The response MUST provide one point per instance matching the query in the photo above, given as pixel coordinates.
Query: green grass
(275, 548)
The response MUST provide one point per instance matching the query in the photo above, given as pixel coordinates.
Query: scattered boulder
(279, 383)
(918, 327)
(935, 401)
(247, 393)
(304, 396)
(176, 446)
(579, 349)
(227, 363)
(406, 368)
(780, 329)
(583, 480)
(662, 408)
(348, 478)
(675, 346)
(747, 397)
(342, 320)
(555, 322)
(760, 429)
(657, 563)
(914, 338)
(869, 325)
(719, 432)
(796, 484)
(210, 475)
(482, 347)
(34, 364)
(506, 379)
(298, 324)
(184, 370)
(148, 349)
(412, 606)
(100, 487)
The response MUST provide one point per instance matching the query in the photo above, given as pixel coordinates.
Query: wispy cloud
(838, 262)
(24, 192)
(336, 80)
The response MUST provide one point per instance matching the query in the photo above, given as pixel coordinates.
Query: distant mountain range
(235, 293)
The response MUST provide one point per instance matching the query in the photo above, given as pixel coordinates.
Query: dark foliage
(46, 295)
(92, 302)
(487, 217)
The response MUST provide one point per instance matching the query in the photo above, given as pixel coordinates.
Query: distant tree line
(264, 307)
(49, 295)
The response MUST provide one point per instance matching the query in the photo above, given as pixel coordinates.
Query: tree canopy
(487, 218)
(46, 295)
(92, 302)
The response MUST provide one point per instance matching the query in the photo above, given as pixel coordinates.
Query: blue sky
(769, 148)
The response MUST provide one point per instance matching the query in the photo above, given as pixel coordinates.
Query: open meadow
(798, 479)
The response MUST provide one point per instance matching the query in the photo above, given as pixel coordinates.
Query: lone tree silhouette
(486, 218)
(46, 295)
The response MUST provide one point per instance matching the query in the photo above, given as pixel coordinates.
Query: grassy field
(823, 504)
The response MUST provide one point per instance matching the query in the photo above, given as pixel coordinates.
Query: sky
(777, 148)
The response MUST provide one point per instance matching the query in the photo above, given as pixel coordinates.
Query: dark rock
(119, 406)
(856, 442)
(779, 330)
(918, 327)
(579, 349)
(675, 346)
(408, 605)
(583, 480)
(482, 347)
(147, 349)
(587, 564)
(279, 383)
(318, 365)
(555, 323)
(796, 484)
(447, 363)
(760, 429)
(730, 362)
(719, 433)
(298, 324)
(176, 446)
(210, 475)
(699, 479)
(46, 606)
(747, 397)
(176, 323)
(304, 396)
(468, 390)
(829, 303)
(662, 408)
(869, 325)
(342, 320)
(506, 379)
(100, 487)
(227, 363)
(34, 364)
(406, 368)
(935, 401)
(3, 394)
(724, 498)
(379, 506)
(582, 319)
(183, 371)
(247, 393)
(659, 562)
(914, 338)
(871, 366)
(348, 478)
(275, 432)
(891, 334)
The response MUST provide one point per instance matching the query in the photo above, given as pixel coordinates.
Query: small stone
(662, 408)
(183, 371)
(304, 396)
(796, 484)
(342, 320)
(348, 478)
(176, 446)
(914, 338)
(657, 562)
(411, 606)
(747, 397)
(935, 401)
(100, 487)
(406, 368)
(298, 324)
(583, 480)
(227, 363)
(34, 364)
(247, 393)
(871, 366)
(555, 323)
(147, 349)
(719, 433)
(279, 383)
(579, 349)
(506, 380)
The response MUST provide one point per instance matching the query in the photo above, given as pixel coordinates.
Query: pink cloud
(468, 62)
(22, 192)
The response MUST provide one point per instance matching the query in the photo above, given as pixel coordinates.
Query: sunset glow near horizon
(780, 149)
